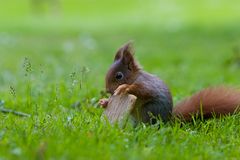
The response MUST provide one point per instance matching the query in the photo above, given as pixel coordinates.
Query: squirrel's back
(209, 102)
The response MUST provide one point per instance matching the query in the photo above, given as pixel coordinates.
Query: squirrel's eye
(119, 75)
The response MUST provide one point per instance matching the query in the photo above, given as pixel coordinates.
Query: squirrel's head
(123, 70)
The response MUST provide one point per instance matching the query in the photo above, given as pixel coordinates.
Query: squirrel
(154, 99)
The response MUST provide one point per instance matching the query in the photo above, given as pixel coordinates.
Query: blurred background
(189, 44)
(54, 55)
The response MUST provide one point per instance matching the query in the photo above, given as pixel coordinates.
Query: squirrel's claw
(122, 89)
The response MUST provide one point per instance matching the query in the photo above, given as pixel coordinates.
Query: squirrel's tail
(208, 103)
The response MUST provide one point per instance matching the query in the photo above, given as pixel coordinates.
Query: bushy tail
(208, 103)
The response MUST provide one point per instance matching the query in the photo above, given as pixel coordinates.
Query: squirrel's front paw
(103, 102)
(122, 89)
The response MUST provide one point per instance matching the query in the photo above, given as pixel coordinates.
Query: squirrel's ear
(125, 49)
(118, 55)
(125, 54)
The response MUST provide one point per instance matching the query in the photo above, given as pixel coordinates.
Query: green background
(54, 56)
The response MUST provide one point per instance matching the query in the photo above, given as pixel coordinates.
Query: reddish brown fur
(139, 90)
(211, 101)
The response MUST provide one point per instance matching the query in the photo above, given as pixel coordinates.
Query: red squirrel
(154, 99)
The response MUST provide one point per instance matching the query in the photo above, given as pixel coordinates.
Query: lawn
(53, 61)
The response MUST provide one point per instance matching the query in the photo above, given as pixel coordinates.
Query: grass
(53, 65)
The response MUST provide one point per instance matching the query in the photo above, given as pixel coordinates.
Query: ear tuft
(125, 55)
(126, 49)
